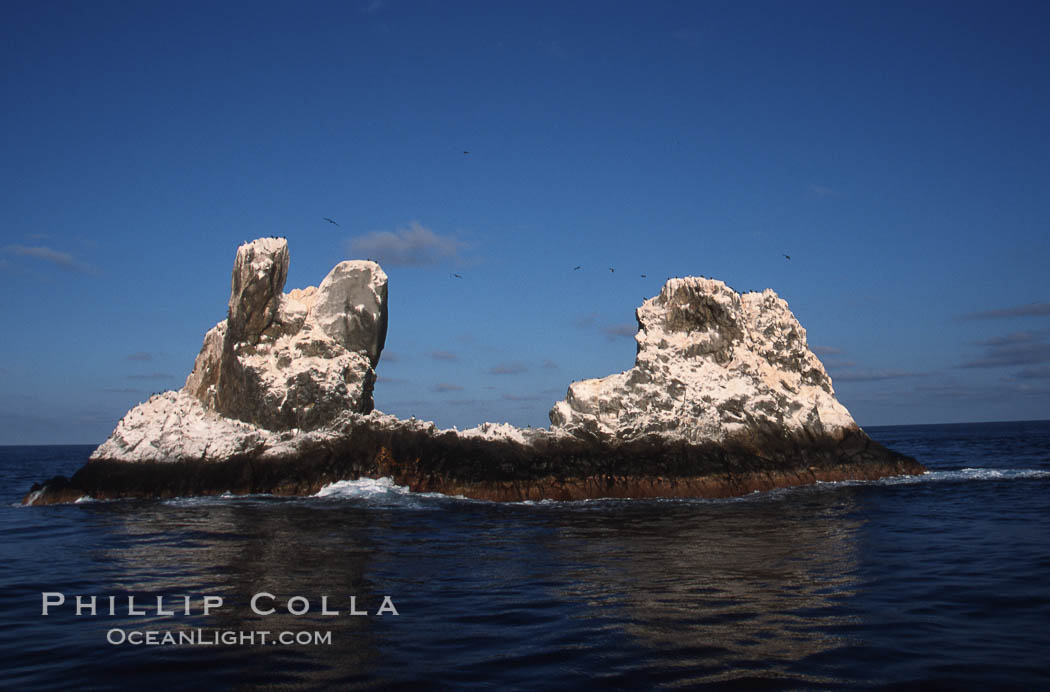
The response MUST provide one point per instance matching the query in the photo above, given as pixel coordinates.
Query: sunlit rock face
(712, 365)
(350, 308)
(176, 426)
(279, 361)
(293, 360)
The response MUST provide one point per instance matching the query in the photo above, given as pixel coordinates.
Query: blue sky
(898, 152)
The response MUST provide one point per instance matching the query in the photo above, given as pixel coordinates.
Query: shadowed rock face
(725, 398)
(259, 272)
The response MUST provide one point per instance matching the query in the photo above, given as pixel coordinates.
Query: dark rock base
(557, 469)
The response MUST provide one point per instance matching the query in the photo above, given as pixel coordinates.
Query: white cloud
(56, 257)
(415, 246)
(1030, 310)
(508, 369)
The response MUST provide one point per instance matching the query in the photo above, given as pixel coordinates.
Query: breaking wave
(363, 488)
(379, 491)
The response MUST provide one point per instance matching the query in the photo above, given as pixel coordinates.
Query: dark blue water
(939, 581)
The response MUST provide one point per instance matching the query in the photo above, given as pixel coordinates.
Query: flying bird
(612, 270)
(457, 276)
(465, 153)
(643, 276)
(330, 221)
(578, 266)
(787, 256)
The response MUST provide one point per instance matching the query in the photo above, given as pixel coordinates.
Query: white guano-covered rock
(290, 361)
(712, 365)
(280, 364)
(350, 307)
(174, 426)
(291, 372)
(315, 355)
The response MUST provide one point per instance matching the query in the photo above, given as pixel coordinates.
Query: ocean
(939, 581)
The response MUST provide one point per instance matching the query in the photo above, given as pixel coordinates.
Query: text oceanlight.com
(201, 637)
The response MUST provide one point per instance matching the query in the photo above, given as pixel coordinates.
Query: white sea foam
(382, 490)
(969, 474)
(225, 498)
(363, 488)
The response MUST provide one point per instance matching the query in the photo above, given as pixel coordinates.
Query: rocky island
(725, 398)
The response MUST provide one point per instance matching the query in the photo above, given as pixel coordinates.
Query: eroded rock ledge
(725, 398)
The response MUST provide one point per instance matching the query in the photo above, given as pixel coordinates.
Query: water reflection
(501, 592)
(720, 587)
(240, 548)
